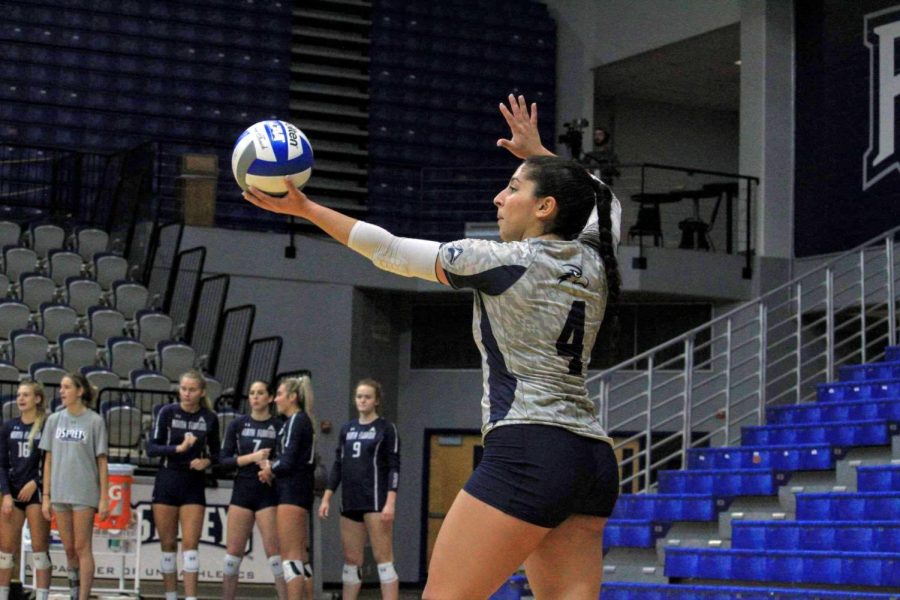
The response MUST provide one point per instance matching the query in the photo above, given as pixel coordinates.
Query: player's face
(516, 205)
(26, 399)
(190, 392)
(285, 402)
(366, 400)
(258, 396)
(69, 393)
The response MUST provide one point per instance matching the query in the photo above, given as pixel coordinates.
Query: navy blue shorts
(356, 515)
(542, 474)
(178, 488)
(297, 491)
(253, 494)
(35, 498)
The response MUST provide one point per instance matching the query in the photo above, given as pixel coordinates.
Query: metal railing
(701, 387)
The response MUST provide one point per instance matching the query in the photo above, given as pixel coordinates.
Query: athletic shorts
(543, 474)
(253, 494)
(178, 488)
(35, 498)
(356, 515)
(296, 491)
(66, 507)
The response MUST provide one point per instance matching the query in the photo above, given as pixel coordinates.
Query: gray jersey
(75, 444)
(538, 307)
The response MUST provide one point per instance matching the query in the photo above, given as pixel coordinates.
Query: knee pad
(386, 573)
(350, 575)
(275, 565)
(41, 560)
(6, 560)
(167, 563)
(292, 570)
(232, 565)
(191, 560)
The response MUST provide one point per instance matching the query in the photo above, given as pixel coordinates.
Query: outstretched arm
(404, 256)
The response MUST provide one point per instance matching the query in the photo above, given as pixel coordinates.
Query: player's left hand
(296, 203)
(103, 509)
(525, 140)
(387, 513)
(27, 491)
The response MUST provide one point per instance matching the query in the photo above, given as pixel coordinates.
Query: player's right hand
(7, 504)
(323, 509)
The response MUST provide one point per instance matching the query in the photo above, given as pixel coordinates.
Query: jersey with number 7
(538, 308)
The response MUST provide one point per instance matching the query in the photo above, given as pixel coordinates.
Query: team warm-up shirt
(368, 463)
(246, 435)
(296, 451)
(171, 425)
(74, 443)
(20, 458)
(538, 307)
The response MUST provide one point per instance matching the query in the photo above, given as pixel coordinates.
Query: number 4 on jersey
(570, 343)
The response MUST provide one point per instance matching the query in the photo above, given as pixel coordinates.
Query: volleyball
(269, 151)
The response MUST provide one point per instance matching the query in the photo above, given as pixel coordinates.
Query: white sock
(4, 592)
(171, 595)
(42, 595)
(190, 598)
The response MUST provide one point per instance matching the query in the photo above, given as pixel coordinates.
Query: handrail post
(648, 438)
(892, 308)
(604, 404)
(862, 303)
(762, 363)
(829, 325)
(728, 382)
(688, 394)
(799, 340)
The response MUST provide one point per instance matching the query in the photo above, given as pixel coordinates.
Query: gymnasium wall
(847, 163)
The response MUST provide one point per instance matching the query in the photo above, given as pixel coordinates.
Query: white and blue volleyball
(269, 151)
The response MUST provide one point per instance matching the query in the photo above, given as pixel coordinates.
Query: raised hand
(524, 141)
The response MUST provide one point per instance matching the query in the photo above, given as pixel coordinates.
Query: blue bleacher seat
(858, 390)
(878, 478)
(632, 533)
(873, 432)
(666, 507)
(847, 536)
(788, 566)
(794, 457)
(819, 412)
(892, 353)
(870, 371)
(719, 482)
(868, 506)
(659, 591)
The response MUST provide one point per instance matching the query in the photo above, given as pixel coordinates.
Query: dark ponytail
(603, 241)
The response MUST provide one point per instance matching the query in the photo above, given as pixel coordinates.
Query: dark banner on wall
(847, 180)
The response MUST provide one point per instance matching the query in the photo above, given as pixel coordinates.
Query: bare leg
(240, 526)
(66, 527)
(10, 537)
(165, 517)
(382, 535)
(191, 518)
(568, 564)
(83, 522)
(268, 529)
(293, 525)
(40, 541)
(484, 543)
(353, 541)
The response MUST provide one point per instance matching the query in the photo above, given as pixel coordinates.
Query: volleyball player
(292, 470)
(186, 437)
(248, 441)
(368, 463)
(76, 478)
(20, 484)
(548, 479)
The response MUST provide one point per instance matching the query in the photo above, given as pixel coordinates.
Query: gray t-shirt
(75, 443)
(538, 308)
